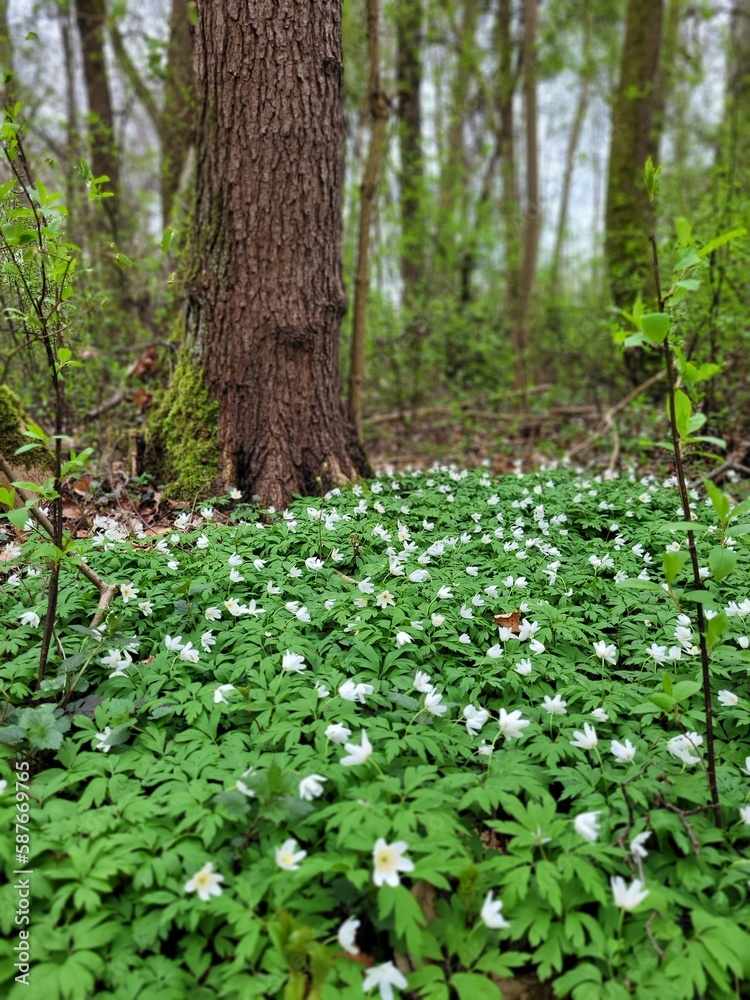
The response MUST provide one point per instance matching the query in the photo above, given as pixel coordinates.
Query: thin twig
(649, 932)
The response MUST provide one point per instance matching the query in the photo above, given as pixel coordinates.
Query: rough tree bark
(629, 215)
(265, 295)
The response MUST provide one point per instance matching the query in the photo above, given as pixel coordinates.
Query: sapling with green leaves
(661, 330)
(38, 267)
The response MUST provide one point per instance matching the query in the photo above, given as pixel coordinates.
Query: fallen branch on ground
(606, 423)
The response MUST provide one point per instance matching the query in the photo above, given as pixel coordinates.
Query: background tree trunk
(506, 88)
(411, 181)
(629, 215)
(9, 91)
(104, 156)
(574, 137)
(178, 117)
(266, 295)
(522, 340)
(379, 119)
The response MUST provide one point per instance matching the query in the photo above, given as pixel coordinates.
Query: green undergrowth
(303, 735)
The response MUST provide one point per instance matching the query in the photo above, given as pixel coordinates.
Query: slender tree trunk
(574, 138)
(379, 119)
(454, 228)
(523, 361)
(8, 86)
(72, 116)
(409, 17)
(737, 102)
(668, 69)
(91, 16)
(178, 117)
(629, 215)
(266, 295)
(174, 123)
(506, 88)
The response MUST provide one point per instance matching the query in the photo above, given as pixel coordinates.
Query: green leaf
(18, 517)
(715, 628)
(548, 881)
(684, 231)
(683, 410)
(35, 431)
(741, 529)
(20, 484)
(683, 690)
(719, 241)
(471, 986)
(740, 508)
(721, 562)
(704, 597)
(683, 526)
(651, 178)
(691, 374)
(636, 584)
(673, 563)
(167, 239)
(655, 327)
(719, 499)
(664, 701)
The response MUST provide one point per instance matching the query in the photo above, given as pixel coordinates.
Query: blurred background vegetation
(507, 139)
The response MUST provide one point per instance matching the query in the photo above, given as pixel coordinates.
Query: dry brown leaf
(142, 399)
(143, 363)
(511, 621)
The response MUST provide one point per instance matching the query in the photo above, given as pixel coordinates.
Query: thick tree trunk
(629, 215)
(91, 15)
(266, 295)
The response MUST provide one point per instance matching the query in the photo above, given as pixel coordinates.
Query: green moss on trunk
(182, 448)
(33, 466)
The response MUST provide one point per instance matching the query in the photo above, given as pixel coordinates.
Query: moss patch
(34, 466)
(182, 447)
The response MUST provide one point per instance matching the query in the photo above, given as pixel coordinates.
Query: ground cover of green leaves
(213, 692)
